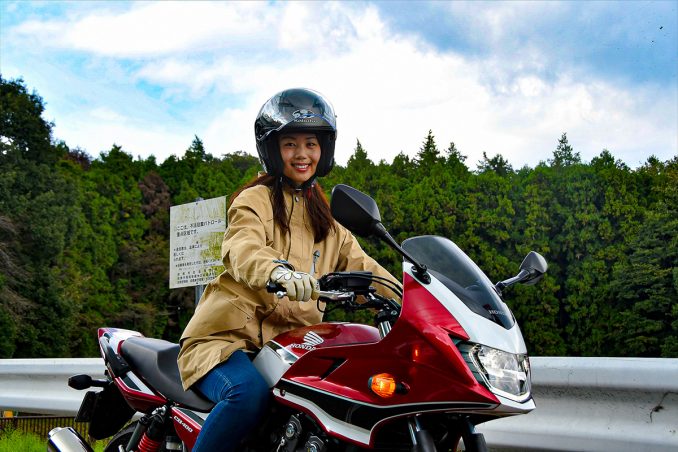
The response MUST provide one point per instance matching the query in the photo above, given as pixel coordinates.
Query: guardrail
(588, 404)
(596, 404)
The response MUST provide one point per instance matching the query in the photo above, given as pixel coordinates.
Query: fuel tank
(281, 352)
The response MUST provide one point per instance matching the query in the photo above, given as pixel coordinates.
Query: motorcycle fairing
(461, 276)
(276, 357)
(357, 422)
(137, 394)
(419, 351)
(480, 330)
(187, 424)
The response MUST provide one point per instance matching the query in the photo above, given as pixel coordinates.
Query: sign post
(196, 232)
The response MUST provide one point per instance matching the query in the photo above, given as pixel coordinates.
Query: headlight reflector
(506, 374)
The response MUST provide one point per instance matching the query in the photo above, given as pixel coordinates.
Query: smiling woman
(279, 228)
(300, 153)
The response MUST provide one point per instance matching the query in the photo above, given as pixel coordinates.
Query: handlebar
(346, 287)
(325, 295)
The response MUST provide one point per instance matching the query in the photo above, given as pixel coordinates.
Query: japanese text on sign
(196, 232)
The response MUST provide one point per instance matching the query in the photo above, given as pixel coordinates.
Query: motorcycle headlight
(505, 374)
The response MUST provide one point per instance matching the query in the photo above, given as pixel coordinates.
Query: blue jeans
(242, 397)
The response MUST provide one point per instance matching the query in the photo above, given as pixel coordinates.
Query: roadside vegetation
(15, 441)
(84, 241)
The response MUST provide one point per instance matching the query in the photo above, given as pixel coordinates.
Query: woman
(280, 229)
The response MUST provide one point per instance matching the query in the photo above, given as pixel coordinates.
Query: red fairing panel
(420, 353)
(138, 396)
(303, 340)
(187, 425)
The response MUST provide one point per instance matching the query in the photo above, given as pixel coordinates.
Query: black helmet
(295, 109)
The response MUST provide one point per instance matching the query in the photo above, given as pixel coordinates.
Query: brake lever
(328, 295)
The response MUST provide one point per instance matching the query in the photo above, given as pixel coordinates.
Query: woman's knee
(252, 391)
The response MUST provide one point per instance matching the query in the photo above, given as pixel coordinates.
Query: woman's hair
(317, 207)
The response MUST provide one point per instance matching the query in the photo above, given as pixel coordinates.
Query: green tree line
(84, 242)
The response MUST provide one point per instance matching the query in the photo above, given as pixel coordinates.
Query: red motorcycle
(450, 357)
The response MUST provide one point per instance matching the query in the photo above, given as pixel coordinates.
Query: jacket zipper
(316, 255)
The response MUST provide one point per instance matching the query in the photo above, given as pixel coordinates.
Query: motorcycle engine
(293, 436)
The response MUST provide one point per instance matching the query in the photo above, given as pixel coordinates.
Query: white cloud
(153, 28)
(388, 89)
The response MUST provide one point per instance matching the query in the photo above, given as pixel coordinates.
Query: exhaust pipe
(66, 439)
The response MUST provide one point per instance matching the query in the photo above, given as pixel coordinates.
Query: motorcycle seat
(156, 362)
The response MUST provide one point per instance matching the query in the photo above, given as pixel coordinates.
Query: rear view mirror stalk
(531, 271)
(359, 214)
(420, 270)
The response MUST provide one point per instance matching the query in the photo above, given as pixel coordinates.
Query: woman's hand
(298, 285)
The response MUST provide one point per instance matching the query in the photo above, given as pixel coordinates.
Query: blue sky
(497, 77)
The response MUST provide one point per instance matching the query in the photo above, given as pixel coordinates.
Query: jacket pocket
(219, 316)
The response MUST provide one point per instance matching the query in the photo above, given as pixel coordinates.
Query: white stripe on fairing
(359, 434)
(188, 413)
(428, 405)
(142, 387)
(480, 330)
(332, 424)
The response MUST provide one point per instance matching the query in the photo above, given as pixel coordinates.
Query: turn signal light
(383, 385)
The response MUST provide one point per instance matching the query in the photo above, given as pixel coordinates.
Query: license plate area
(87, 407)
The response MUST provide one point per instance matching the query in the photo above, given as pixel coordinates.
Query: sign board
(196, 232)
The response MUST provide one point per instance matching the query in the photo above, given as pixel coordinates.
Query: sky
(503, 78)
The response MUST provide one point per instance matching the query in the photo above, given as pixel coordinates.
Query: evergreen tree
(455, 161)
(564, 155)
(428, 155)
(497, 164)
(84, 241)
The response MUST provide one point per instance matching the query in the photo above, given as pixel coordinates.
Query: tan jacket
(235, 311)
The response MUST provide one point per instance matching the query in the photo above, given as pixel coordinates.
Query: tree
(24, 134)
(564, 155)
(455, 161)
(428, 155)
(497, 164)
(195, 154)
(645, 285)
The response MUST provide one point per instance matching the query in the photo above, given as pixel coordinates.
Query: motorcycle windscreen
(453, 268)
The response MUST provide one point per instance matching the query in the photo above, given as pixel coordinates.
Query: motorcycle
(449, 357)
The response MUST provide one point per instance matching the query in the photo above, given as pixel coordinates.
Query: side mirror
(359, 213)
(531, 271)
(535, 265)
(356, 211)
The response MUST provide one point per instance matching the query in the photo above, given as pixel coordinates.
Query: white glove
(298, 285)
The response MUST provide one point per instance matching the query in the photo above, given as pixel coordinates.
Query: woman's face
(300, 152)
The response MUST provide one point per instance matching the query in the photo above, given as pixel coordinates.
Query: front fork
(422, 441)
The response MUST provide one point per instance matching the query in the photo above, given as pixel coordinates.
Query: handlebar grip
(272, 287)
(276, 289)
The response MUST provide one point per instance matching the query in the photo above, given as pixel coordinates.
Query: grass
(17, 441)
